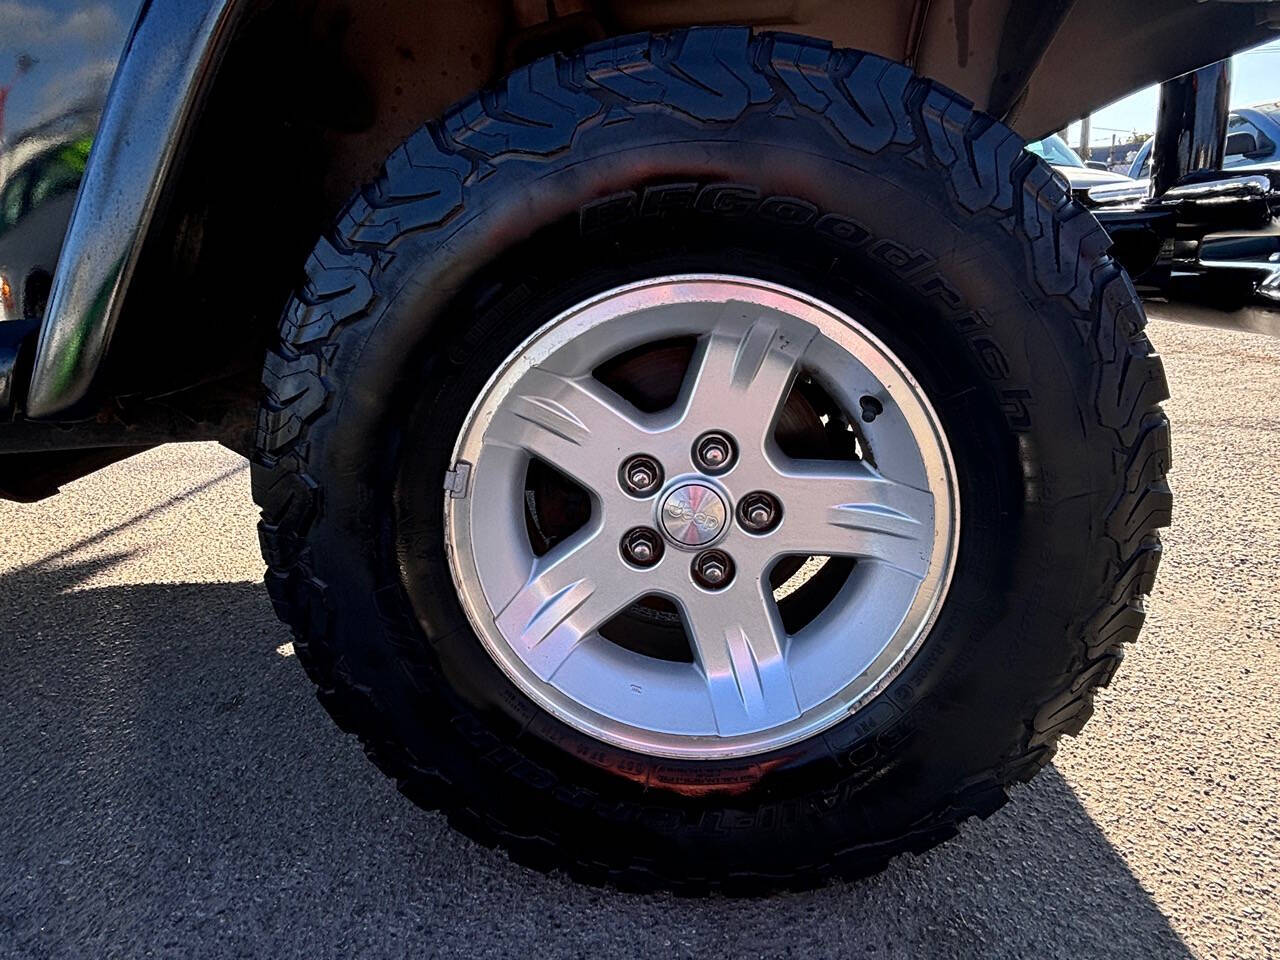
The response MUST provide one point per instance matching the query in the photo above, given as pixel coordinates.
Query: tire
(709, 150)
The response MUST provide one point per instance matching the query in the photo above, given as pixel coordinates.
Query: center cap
(693, 514)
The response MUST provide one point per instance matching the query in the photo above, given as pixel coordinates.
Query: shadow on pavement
(170, 787)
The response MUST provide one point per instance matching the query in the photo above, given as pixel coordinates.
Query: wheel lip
(538, 346)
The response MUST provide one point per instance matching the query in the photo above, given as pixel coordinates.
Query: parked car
(1067, 162)
(1253, 139)
(688, 455)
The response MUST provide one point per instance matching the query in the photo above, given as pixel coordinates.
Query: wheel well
(310, 98)
(312, 95)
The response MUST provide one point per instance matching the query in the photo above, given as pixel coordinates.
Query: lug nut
(642, 546)
(640, 475)
(713, 569)
(713, 452)
(759, 512)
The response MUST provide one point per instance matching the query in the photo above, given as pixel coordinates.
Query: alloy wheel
(696, 506)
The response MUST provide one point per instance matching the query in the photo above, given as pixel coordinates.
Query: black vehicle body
(165, 166)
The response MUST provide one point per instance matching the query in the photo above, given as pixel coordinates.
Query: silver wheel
(697, 504)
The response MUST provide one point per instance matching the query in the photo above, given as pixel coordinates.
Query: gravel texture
(169, 786)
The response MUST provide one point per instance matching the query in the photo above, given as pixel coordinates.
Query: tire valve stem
(871, 408)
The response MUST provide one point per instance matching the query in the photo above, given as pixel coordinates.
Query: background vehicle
(1253, 139)
(688, 454)
(1067, 162)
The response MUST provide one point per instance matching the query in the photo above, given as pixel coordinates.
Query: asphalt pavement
(169, 786)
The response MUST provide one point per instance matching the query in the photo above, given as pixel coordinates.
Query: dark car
(689, 454)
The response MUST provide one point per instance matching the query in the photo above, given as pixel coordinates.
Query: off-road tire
(827, 169)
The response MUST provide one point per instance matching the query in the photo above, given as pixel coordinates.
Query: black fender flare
(169, 63)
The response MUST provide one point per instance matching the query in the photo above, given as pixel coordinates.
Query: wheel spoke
(849, 509)
(743, 370)
(575, 424)
(740, 645)
(570, 592)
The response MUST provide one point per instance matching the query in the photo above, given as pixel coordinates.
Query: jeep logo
(703, 520)
(693, 514)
